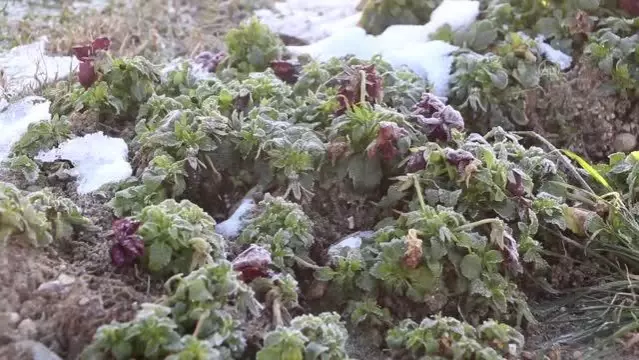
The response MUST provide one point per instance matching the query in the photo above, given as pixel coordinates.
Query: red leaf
(102, 43)
(83, 53)
(252, 263)
(86, 74)
(286, 71)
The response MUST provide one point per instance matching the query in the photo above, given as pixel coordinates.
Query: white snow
(26, 67)
(16, 117)
(353, 241)
(403, 44)
(231, 227)
(553, 55)
(310, 20)
(98, 160)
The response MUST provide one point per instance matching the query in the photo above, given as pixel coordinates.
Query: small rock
(28, 328)
(27, 349)
(59, 285)
(625, 142)
(83, 301)
(13, 319)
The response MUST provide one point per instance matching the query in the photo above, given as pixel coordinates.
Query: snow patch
(310, 20)
(551, 54)
(16, 117)
(26, 68)
(403, 44)
(231, 227)
(353, 241)
(98, 160)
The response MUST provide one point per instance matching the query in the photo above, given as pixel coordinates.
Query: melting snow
(231, 227)
(353, 241)
(98, 160)
(15, 119)
(26, 67)
(403, 44)
(310, 20)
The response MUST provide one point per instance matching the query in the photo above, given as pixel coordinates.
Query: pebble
(59, 285)
(625, 142)
(27, 349)
(13, 319)
(28, 328)
(83, 301)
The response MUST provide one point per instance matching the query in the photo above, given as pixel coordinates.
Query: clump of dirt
(584, 113)
(56, 302)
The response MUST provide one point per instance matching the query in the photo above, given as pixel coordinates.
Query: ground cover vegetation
(467, 213)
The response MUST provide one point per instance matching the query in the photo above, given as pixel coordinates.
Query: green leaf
(471, 266)
(586, 166)
(159, 256)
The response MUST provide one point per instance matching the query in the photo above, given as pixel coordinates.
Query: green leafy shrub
(151, 335)
(252, 46)
(283, 228)
(448, 338)
(39, 217)
(212, 302)
(180, 237)
(42, 136)
(490, 89)
(380, 14)
(613, 48)
(308, 337)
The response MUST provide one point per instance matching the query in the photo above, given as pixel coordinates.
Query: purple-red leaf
(515, 185)
(386, 141)
(101, 43)
(127, 246)
(416, 162)
(210, 61)
(83, 52)
(436, 119)
(286, 71)
(86, 74)
(253, 263)
(349, 93)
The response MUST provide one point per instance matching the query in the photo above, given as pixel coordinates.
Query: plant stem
(198, 326)
(277, 312)
(478, 223)
(305, 263)
(362, 87)
(418, 189)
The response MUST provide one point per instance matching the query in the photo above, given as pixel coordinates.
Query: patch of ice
(403, 44)
(196, 70)
(98, 160)
(231, 227)
(551, 54)
(16, 117)
(352, 241)
(18, 10)
(26, 67)
(310, 20)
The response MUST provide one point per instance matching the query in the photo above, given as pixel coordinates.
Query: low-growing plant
(151, 335)
(252, 46)
(379, 15)
(211, 303)
(39, 217)
(448, 338)
(178, 237)
(308, 337)
(613, 49)
(283, 229)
